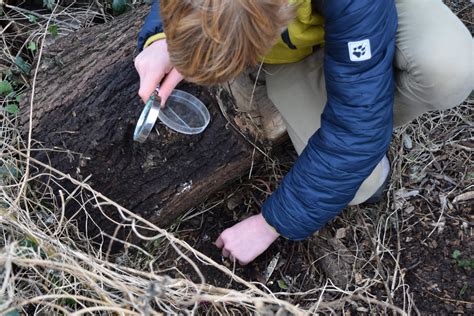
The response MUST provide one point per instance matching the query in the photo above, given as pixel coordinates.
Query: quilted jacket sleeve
(356, 124)
(152, 25)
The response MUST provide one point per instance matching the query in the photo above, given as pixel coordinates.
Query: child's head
(212, 41)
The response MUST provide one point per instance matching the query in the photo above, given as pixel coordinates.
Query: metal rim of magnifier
(147, 119)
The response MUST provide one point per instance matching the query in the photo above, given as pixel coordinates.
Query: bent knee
(442, 78)
(449, 78)
(435, 55)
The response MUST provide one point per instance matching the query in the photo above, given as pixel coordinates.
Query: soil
(438, 283)
(293, 272)
(431, 229)
(437, 229)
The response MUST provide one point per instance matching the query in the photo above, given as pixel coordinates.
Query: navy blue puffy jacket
(356, 124)
(152, 25)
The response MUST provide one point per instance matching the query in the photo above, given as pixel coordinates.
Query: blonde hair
(212, 41)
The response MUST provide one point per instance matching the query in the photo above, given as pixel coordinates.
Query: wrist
(154, 39)
(269, 230)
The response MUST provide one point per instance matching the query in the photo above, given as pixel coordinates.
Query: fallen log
(85, 109)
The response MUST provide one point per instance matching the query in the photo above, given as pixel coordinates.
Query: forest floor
(413, 252)
(422, 231)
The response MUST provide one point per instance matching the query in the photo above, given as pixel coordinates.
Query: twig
(380, 303)
(45, 17)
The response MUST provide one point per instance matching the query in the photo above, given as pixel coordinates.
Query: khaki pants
(434, 65)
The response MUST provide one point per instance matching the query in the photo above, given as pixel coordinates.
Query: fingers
(233, 259)
(148, 83)
(152, 65)
(219, 242)
(168, 84)
(225, 252)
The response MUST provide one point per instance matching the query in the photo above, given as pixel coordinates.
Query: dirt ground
(426, 227)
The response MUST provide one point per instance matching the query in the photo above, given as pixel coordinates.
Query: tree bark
(86, 107)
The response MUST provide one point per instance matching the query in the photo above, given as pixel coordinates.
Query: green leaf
(12, 108)
(48, 4)
(23, 65)
(28, 242)
(463, 290)
(282, 285)
(70, 302)
(466, 263)
(119, 6)
(32, 46)
(18, 98)
(9, 171)
(456, 254)
(8, 73)
(5, 87)
(32, 18)
(53, 30)
(13, 313)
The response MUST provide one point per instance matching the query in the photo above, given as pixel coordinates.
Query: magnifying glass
(183, 113)
(147, 118)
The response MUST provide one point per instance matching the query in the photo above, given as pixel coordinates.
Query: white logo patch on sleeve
(360, 51)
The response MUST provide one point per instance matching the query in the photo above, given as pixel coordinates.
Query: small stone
(433, 244)
(409, 209)
(341, 233)
(233, 202)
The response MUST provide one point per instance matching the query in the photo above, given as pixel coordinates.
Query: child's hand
(246, 240)
(154, 68)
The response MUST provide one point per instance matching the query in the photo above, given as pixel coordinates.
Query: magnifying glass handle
(156, 94)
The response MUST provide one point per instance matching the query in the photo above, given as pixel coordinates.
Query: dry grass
(48, 267)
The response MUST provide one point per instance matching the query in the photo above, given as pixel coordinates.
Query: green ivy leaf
(32, 18)
(5, 87)
(18, 98)
(13, 313)
(29, 243)
(119, 6)
(23, 65)
(12, 108)
(32, 46)
(456, 254)
(48, 4)
(53, 30)
(9, 171)
(282, 285)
